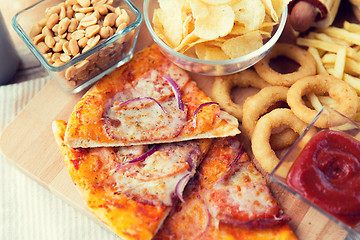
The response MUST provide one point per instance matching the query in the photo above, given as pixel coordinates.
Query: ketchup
(327, 173)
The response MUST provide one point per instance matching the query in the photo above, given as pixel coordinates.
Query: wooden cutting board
(29, 144)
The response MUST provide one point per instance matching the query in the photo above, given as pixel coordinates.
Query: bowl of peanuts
(79, 41)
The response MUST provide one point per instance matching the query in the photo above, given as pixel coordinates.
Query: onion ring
(257, 105)
(221, 91)
(337, 89)
(260, 144)
(302, 57)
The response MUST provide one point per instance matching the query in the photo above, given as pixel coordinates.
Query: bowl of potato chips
(215, 37)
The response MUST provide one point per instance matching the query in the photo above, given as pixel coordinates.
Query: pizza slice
(131, 189)
(228, 199)
(148, 100)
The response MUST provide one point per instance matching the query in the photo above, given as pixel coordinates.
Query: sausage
(302, 16)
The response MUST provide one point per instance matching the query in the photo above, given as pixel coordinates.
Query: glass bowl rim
(263, 49)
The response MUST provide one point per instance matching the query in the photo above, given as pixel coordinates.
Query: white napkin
(27, 210)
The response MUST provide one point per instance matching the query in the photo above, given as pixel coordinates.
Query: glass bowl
(211, 68)
(334, 174)
(83, 69)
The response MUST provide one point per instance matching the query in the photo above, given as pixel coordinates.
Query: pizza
(148, 100)
(151, 155)
(228, 199)
(131, 188)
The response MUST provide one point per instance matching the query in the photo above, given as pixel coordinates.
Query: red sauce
(327, 172)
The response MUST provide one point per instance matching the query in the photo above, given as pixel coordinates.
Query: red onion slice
(180, 186)
(142, 157)
(143, 98)
(176, 90)
(203, 105)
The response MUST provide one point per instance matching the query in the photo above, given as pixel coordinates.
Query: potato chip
(212, 21)
(216, 29)
(249, 13)
(216, 2)
(242, 45)
(275, 8)
(172, 20)
(210, 53)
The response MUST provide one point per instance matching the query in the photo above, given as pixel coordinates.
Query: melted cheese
(155, 179)
(135, 114)
(246, 193)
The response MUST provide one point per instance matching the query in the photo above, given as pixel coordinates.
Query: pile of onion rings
(221, 90)
(270, 125)
(302, 57)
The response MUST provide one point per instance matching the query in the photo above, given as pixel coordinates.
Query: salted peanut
(88, 21)
(79, 16)
(110, 8)
(62, 13)
(66, 48)
(73, 47)
(101, 8)
(50, 10)
(71, 2)
(121, 27)
(92, 31)
(82, 65)
(86, 9)
(83, 42)
(55, 28)
(106, 32)
(48, 55)
(47, 32)
(70, 72)
(76, 7)
(69, 11)
(43, 48)
(65, 57)
(110, 19)
(58, 47)
(85, 49)
(84, 3)
(94, 2)
(35, 30)
(73, 25)
(96, 14)
(122, 18)
(78, 34)
(58, 63)
(52, 20)
(38, 38)
(50, 41)
(64, 35)
(82, 75)
(43, 22)
(93, 41)
(68, 36)
(63, 25)
(56, 56)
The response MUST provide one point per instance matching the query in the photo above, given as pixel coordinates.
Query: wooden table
(30, 68)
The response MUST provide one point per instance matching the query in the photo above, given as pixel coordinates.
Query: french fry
(326, 46)
(342, 34)
(314, 101)
(352, 27)
(339, 66)
(319, 65)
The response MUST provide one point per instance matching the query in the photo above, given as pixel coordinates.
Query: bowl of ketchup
(323, 169)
